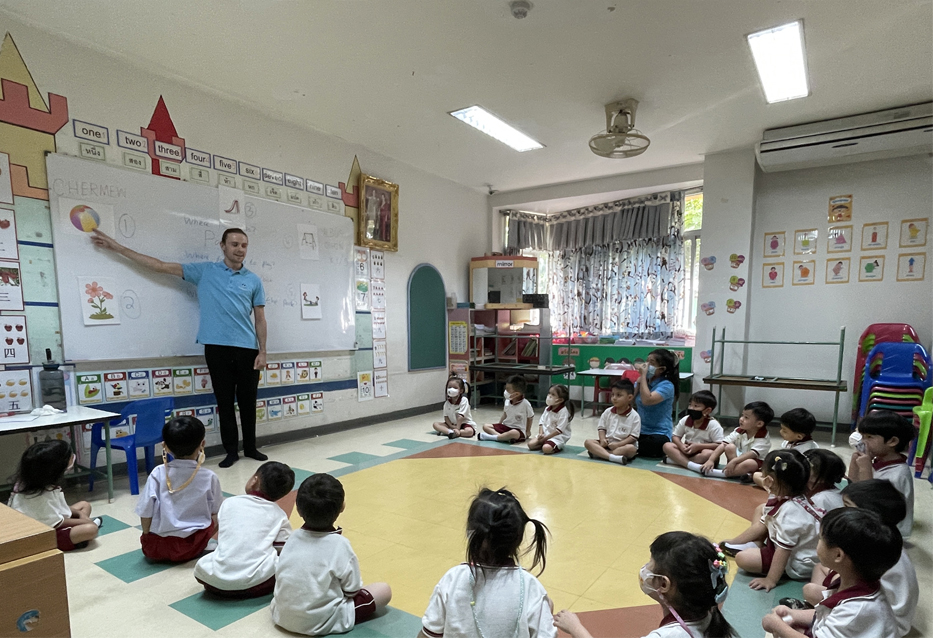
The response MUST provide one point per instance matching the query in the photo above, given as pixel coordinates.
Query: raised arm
(156, 265)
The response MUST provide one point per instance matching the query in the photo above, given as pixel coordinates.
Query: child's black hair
(705, 398)
(275, 479)
(518, 383)
(826, 468)
(624, 385)
(873, 546)
(879, 496)
(563, 393)
(800, 420)
(761, 410)
(319, 501)
(668, 360)
(42, 466)
(688, 560)
(495, 529)
(183, 435)
(888, 425)
(790, 469)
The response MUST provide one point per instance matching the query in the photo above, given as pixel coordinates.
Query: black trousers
(233, 377)
(651, 445)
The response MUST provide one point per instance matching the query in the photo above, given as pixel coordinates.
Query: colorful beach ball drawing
(84, 218)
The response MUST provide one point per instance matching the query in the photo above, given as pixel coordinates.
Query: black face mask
(696, 415)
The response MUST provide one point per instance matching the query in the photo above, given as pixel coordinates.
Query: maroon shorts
(551, 445)
(176, 549)
(503, 429)
(767, 555)
(365, 605)
(760, 463)
(63, 539)
(262, 589)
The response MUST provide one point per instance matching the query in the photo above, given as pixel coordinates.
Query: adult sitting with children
(655, 394)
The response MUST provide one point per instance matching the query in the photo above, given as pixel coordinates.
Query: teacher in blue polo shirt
(654, 401)
(234, 345)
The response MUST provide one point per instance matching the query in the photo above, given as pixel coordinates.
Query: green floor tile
(111, 525)
(392, 624)
(300, 475)
(216, 613)
(355, 458)
(573, 449)
(745, 607)
(132, 566)
(408, 444)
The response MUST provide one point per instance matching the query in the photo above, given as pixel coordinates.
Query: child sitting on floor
(554, 424)
(826, 471)
(744, 448)
(458, 420)
(514, 425)
(860, 547)
(797, 426)
(784, 538)
(252, 526)
(697, 435)
(178, 506)
(619, 427)
(687, 575)
(318, 588)
(491, 595)
(880, 454)
(37, 494)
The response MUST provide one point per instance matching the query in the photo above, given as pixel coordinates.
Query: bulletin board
(427, 319)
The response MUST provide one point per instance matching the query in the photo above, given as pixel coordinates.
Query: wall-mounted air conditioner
(879, 135)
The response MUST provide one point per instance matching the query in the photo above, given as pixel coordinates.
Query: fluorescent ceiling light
(482, 120)
(779, 56)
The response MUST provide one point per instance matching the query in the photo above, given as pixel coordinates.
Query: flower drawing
(97, 297)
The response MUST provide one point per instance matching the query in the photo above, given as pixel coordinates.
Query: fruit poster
(139, 386)
(90, 388)
(11, 286)
(361, 261)
(202, 381)
(162, 382)
(98, 305)
(9, 249)
(377, 264)
(364, 385)
(116, 387)
(362, 294)
(15, 342)
(15, 391)
(182, 381)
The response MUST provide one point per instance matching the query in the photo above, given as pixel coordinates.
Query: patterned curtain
(629, 287)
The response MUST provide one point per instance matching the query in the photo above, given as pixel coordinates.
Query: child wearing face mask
(554, 425)
(687, 576)
(517, 414)
(697, 435)
(458, 420)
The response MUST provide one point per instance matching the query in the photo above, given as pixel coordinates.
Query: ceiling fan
(621, 139)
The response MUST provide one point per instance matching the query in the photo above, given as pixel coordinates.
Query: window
(693, 224)
(543, 279)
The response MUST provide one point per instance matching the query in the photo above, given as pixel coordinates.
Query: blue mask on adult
(651, 370)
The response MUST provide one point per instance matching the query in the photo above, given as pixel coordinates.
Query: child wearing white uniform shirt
(554, 425)
(318, 587)
(745, 448)
(697, 435)
(826, 472)
(515, 424)
(252, 527)
(619, 427)
(458, 420)
(797, 426)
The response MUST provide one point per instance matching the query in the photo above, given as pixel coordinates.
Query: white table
(596, 373)
(74, 416)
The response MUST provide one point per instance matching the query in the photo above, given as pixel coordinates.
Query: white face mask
(452, 392)
(551, 400)
(643, 575)
(507, 395)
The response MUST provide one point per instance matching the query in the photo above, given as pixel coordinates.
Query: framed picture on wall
(805, 241)
(875, 236)
(871, 268)
(914, 233)
(774, 244)
(839, 239)
(911, 266)
(378, 227)
(837, 270)
(840, 208)
(772, 274)
(804, 273)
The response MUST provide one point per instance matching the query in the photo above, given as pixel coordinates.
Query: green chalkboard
(427, 319)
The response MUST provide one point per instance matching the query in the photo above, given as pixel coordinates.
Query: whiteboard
(179, 221)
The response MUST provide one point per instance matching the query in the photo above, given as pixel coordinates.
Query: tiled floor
(407, 494)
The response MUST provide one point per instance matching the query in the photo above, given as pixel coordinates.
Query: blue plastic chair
(896, 369)
(150, 418)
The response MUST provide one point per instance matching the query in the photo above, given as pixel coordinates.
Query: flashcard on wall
(90, 388)
(871, 268)
(274, 409)
(15, 391)
(98, 305)
(9, 249)
(840, 209)
(311, 301)
(15, 339)
(732, 305)
(262, 378)
(839, 239)
(708, 308)
(361, 262)
(303, 371)
(736, 260)
(308, 242)
(381, 383)
(378, 295)
(805, 241)
(377, 264)
(837, 270)
(182, 380)
(273, 374)
(774, 244)
(317, 402)
(804, 273)
(709, 262)
(202, 381)
(736, 282)
(380, 357)
(116, 387)
(261, 411)
(875, 236)
(913, 232)
(11, 286)
(138, 381)
(911, 266)
(317, 371)
(362, 295)
(364, 385)
(379, 324)
(772, 275)
(231, 206)
(162, 382)
(288, 372)
(304, 404)
(290, 406)
(81, 217)
(207, 416)
(184, 412)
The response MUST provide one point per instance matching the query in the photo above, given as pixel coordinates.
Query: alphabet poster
(837, 270)
(871, 268)
(311, 301)
(911, 266)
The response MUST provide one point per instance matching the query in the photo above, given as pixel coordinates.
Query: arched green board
(427, 319)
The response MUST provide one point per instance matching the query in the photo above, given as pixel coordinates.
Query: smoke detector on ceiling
(621, 139)
(520, 8)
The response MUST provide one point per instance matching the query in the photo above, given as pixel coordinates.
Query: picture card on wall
(138, 382)
(274, 408)
(381, 383)
(15, 339)
(839, 239)
(805, 241)
(913, 232)
(804, 273)
(162, 382)
(90, 388)
(82, 217)
(840, 209)
(380, 356)
(871, 268)
(364, 385)
(9, 249)
(15, 391)
(290, 406)
(774, 244)
(379, 324)
(304, 404)
(377, 264)
(875, 236)
(317, 402)
(207, 416)
(317, 370)
(183, 380)
(361, 261)
(202, 381)
(378, 295)
(273, 374)
(308, 239)
(772, 275)
(288, 372)
(261, 415)
(231, 206)
(311, 301)
(11, 286)
(911, 266)
(362, 295)
(837, 270)
(116, 387)
(99, 305)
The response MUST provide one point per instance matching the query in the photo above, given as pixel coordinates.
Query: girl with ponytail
(491, 595)
(687, 575)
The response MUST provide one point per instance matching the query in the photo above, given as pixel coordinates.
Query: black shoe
(256, 454)
(229, 460)
(82, 544)
(747, 479)
(728, 551)
(453, 435)
(794, 603)
(98, 521)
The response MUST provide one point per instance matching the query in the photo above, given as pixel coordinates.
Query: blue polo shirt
(226, 298)
(656, 419)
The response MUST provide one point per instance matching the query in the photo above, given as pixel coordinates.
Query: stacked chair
(874, 334)
(923, 415)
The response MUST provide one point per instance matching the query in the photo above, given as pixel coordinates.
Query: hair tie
(718, 569)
